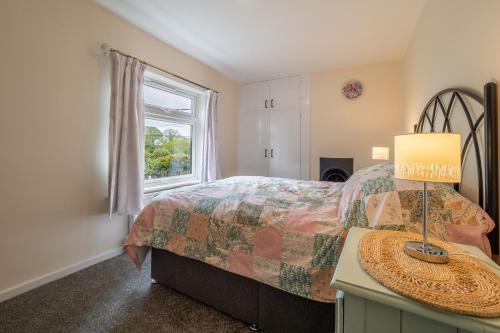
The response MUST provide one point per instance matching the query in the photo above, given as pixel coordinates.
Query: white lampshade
(430, 157)
(380, 153)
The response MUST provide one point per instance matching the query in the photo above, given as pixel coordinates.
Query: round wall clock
(352, 89)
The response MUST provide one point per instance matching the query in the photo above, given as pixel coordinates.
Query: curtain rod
(107, 49)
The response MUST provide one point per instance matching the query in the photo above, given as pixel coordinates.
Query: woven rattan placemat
(464, 285)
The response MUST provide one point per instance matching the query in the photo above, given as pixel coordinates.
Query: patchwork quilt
(289, 233)
(282, 232)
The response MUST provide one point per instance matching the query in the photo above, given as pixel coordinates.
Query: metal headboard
(486, 167)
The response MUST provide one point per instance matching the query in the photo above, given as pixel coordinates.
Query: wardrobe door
(285, 93)
(254, 151)
(255, 97)
(285, 143)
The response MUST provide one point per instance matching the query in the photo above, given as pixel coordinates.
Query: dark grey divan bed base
(269, 308)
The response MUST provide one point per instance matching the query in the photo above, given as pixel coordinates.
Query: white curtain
(126, 136)
(210, 169)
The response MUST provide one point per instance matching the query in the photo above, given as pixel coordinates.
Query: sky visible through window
(166, 100)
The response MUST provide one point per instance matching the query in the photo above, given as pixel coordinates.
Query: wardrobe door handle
(272, 153)
(272, 103)
(265, 104)
(265, 152)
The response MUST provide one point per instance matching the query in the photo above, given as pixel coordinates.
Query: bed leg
(253, 328)
(153, 281)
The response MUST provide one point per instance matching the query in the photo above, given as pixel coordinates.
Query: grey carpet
(111, 296)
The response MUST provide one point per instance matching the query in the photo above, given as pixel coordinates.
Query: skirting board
(55, 275)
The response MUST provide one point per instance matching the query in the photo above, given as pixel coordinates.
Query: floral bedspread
(289, 233)
(281, 232)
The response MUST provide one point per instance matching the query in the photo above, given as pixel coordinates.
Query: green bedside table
(365, 306)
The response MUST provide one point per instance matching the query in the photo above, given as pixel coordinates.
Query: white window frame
(198, 96)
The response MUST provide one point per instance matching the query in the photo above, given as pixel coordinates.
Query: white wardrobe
(274, 128)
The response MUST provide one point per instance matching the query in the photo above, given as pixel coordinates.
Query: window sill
(169, 186)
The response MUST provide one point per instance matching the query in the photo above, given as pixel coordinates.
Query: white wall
(455, 45)
(54, 101)
(341, 127)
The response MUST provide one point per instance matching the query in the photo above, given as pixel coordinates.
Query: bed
(264, 249)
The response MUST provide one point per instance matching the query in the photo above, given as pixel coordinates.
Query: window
(173, 132)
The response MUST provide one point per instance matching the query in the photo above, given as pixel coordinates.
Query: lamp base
(431, 253)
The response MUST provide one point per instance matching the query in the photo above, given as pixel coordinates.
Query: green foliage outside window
(167, 154)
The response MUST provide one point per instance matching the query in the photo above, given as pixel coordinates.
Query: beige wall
(53, 130)
(349, 128)
(455, 45)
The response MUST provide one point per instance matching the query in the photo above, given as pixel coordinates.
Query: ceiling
(251, 40)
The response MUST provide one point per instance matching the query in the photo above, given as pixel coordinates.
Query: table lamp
(380, 153)
(427, 157)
